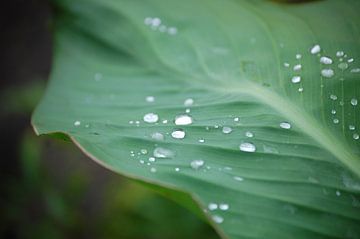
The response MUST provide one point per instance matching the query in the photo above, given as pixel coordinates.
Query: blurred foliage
(61, 194)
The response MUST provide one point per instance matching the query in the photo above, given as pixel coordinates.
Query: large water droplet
(328, 73)
(226, 130)
(295, 79)
(247, 147)
(354, 102)
(178, 134)
(160, 152)
(285, 125)
(151, 118)
(315, 49)
(326, 60)
(183, 120)
(189, 102)
(196, 164)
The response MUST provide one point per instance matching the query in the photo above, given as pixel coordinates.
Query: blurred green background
(49, 189)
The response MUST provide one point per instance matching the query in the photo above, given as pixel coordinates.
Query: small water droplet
(201, 140)
(236, 119)
(315, 49)
(247, 147)
(165, 121)
(351, 60)
(218, 219)
(301, 89)
(297, 67)
(333, 97)
(340, 53)
(151, 118)
(351, 127)
(223, 206)
(355, 70)
(285, 125)
(338, 193)
(143, 151)
(295, 79)
(172, 30)
(183, 120)
(286, 64)
(335, 121)
(212, 206)
(196, 164)
(354, 101)
(152, 159)
(356, 136)
(77, 123)
(178, 134)
(150, 99)
(188, 102)
(163, 153)
(328, 73)
(343, 66)
(326, 60)
(333, 112)
(249, 134)
(298, 56)
(187, 111)
(226, 130)
(177, 169)
(153, 170)
(157, 136)
(237, 178)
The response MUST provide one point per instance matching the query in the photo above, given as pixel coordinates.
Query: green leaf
(228, 56)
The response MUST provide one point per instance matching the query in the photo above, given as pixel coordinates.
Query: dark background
(48, 188)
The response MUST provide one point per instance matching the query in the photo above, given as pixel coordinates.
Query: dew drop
(315, 49)
(196, 164)
(328, 73)
(355, 70)
(226, 130)
(189, 102)
(77, 123)
(236, 119)
(333, 97)
(165, 121)
(354, 101)
(338, 193)
(212, 206)
(153, 170)
(223, 206)
(172, 30)
(183, 120)
(163, 153)
(301, 89)
(333, 112)
(249, 134)
(177, 169)
(143, 151)
(150, 99)
(351, 127)
(151, 118)
(295, 79)
(152, 159)
(335, 121)
(297, 67)
(298, 56)
(237, 178)
(157, 136)
(326, 60)
(187, 111)
(201, 140)
(340, 53)
(178, 134)
(356, 136)
(218, 219)
(285, 125)
(351, 60)
(286, 64)
(247, 147)
(343, 66)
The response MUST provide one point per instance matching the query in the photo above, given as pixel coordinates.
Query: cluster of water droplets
(157, 24)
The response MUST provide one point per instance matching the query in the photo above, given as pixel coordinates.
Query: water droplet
(237, 178)
(247, 147)
(153, 170)
(298, 56)
(226, 130)
(178, 134)
(295, 79)
(163, 153)
(143, 151)
(189, 102)
(340, 53)
(236, 119)
(338, 193)
(150, 99)
(301, 89)
(336, 121)
(212, 206)
(354, 101)
(183, 120)
(187, 111)
(326, 60)
(172, 30)
(223, 206)
(156, 22)
(177, 169)
(152, 159)
(333, 97)
(249, 134)
(157, 136)
(351, 60)
(165, 121)
(196, 164)
(77, 123)
(218, 219)
(355, 70)
(341, 103)
(201, 140)
(151, 118)
(351, 127)
(315, 49)
(333, 112)
(343, 66)
(328, 73)
(285, 125)
(286, 64)
(356, 136)
(297, 67)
